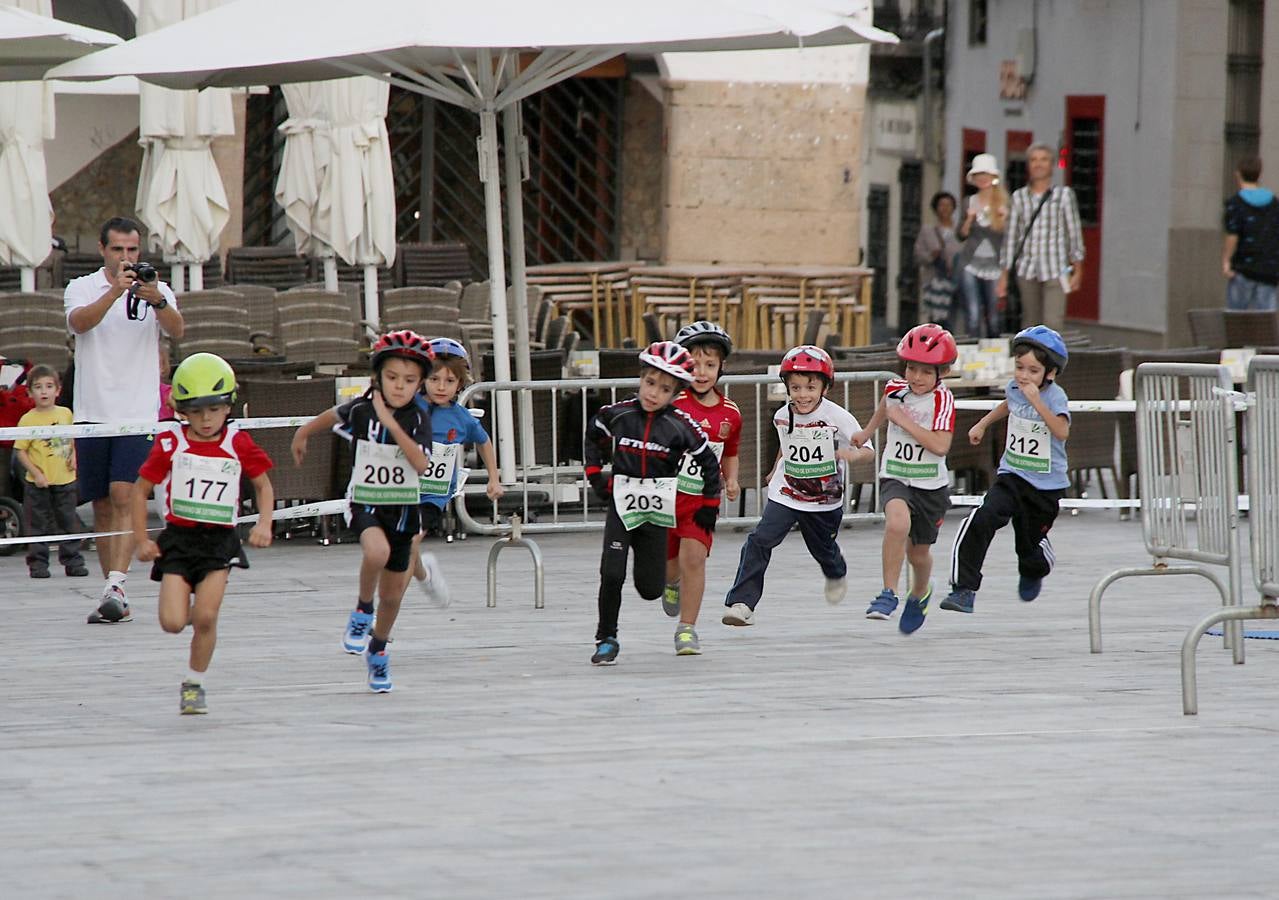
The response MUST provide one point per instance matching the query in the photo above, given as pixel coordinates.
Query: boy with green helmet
(196, 468)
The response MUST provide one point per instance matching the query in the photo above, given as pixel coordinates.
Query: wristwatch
(164, 302)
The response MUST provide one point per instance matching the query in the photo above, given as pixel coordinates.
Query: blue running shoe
(960, 600)
(606, 652)
(358, 627)
(882, 607)
(379, 672)
(1028, 588)
(912, 618)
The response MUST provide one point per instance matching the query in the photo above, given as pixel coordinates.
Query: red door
(1084, 163)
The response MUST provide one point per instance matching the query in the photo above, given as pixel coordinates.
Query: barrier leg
(1094, 598)
(1189, 685)
(515, 540)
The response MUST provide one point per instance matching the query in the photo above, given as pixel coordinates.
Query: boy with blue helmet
(1031, 479)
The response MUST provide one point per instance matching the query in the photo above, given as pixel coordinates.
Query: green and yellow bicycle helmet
(203, 379)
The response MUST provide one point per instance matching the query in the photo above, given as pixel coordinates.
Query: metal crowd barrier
(549, 474)
(1263, 514)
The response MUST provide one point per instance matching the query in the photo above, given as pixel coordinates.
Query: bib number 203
(644, 503)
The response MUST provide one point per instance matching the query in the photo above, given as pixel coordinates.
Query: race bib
(204, 488)
(690, 479)
(437, 480)
(382, 476)
(810, 453)
(644, 500)
(905, 457)
(1029, 445)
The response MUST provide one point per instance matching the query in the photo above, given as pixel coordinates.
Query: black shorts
(195, 551)
(927, 507)
(432, 517)
(400, 524)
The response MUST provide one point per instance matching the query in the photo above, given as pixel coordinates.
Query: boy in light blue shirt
(1031, 479)
(452, 427)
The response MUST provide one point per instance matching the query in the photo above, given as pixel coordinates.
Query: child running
(646, 438)
(452, 427)
(914, 486)
(806, 484)
(391, 431)
(198, 466)
(688, 544)
(1031, 479)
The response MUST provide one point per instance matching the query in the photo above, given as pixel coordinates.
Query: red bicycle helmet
(405, 344)
(928, 344)
(810, 359)
(670, 358)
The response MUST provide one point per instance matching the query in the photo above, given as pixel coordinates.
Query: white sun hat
(984, 164)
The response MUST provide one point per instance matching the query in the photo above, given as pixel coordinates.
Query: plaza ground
(816, 754)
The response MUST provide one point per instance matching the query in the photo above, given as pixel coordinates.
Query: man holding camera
(117, 314)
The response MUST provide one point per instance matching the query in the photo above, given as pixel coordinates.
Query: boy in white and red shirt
(914, 485)
(197, 468)
(687, 544)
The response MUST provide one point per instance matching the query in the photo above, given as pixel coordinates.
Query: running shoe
(739, 614)
(113, 608)
(356, 637)
(670, 600)
(379, 671)
(835, 590)
(606, 652)
(686, 642)
(39, 573)
(77, 571)
(436, 587)
(912, 618)
(191, 700)
(960, 600)
(883, 606)
(1028, 588)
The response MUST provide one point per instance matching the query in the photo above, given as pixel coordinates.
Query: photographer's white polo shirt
(117, 362)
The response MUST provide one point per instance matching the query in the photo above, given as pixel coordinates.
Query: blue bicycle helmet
(1047, 340)
(443, 346)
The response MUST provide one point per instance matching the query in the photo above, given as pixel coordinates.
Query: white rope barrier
(96, 430)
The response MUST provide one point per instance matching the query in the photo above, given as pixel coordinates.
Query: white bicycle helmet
(704, 332)
(668, 357)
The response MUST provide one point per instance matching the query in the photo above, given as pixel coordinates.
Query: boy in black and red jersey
(647, 439)
(197, 467)
(687, 544)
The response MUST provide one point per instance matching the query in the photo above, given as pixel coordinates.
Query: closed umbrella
(483, 57)
(297, 188)
(180, 196)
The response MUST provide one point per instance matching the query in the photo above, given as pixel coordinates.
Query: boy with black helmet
(1031, 479)
(687, 544)
(391, 431)
(806, 484)
(197, 468)
(646, 438)
(914, 486)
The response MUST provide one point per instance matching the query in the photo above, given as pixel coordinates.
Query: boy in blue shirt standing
(1031, 478)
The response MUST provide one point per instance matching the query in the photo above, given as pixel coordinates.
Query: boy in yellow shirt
(50, 494)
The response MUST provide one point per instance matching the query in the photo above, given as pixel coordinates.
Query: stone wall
(106, 187)
(764, 173)
(640, 231)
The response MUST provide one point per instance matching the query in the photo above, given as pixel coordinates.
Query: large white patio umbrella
(297, 187)
(31, 42)
(483, 57)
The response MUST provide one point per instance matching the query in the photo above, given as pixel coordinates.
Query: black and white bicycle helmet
(668, 357)
(704, 332)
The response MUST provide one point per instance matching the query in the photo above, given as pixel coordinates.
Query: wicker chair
(214, 322)
(402, 307)
(545, 365)
(68, 266)
(431, 265)
(1208, 327)
(1249, 328)
(34, 327)
(278, 267)
(1093, 375)
(314, 479)
(259, 302)
(473, 305)
(316, 326)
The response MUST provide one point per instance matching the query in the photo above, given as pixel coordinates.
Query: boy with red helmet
(647, 440)
(392, 436)
(806, 484)
(687, 544)
(914, 486)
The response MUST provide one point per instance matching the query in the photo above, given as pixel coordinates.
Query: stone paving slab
(816, 754)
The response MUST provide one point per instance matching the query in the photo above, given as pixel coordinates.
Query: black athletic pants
(649, 544)
(1032, 512)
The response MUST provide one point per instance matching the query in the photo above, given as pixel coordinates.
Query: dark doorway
(910, 180)
(877, 247)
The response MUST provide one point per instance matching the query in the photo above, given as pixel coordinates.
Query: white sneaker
(436, 586)
(835, 590)
(739, 614)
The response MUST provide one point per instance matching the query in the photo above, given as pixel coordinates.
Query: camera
(142, 271)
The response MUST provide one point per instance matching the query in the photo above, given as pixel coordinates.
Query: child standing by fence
(51, 493)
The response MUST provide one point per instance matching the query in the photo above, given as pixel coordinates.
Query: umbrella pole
(196, 276)
(330, 272)
(514, 149)
(177, 278)
(490, 175)
(28, 280)
(371, 312)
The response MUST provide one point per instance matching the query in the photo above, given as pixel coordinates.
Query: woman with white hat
(982, 232)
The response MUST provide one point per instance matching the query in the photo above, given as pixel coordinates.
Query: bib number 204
(804, 453)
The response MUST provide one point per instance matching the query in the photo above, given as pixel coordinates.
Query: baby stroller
(14, 402)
